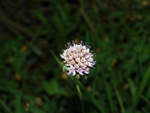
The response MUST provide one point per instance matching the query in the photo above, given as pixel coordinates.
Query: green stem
(145, 99)
(5, 106)
(80, 96)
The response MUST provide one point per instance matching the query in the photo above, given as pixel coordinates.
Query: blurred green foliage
(33, 34)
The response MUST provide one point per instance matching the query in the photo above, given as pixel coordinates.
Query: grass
(33, 35)
(5, 106)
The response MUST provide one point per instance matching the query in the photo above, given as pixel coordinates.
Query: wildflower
(144, 3)
(114, 62)
(24, 48)
(27, 104)
(39, 100)
(78, 59)
(26, 108)
(17, 76)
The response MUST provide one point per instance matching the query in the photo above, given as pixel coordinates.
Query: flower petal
(81, 73)
(74, 73)
(68, 73)
(67, 68)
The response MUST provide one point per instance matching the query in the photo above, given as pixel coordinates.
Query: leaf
(7, 85)
(109, 95)
(35, 110)
(56, 58)
(5, 107)
(51, 87)
(133, 89)
(51, 106)
(120, 100)
(37, 50)
(18, 103)
(141, 88)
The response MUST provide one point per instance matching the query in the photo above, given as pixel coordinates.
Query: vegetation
(33, 34)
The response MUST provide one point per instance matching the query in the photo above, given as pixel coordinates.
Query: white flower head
(77, 58)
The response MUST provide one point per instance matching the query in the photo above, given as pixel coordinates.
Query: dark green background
(33, 34)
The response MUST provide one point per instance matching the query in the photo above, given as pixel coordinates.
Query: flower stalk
(80, 96)
(77, 61)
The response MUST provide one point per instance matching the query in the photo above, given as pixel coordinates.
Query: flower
(77, 58)
(144, 3)
(24, 48)
(17, 76)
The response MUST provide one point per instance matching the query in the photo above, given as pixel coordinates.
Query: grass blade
(145, 99)
(109, 95)
(5, 106)
(120, 101)
(141, 88)
(133, 89)
(148, 94)
(56, 58)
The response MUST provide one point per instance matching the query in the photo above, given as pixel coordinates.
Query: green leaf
(51, 87)
(109, 95)
(18, 104)
(5, 107)
(37, 50)
(51, 106)
(7, 85)
(120, 100)
(133, 89)
(141, 88)
(56, 58)
(35, 110)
